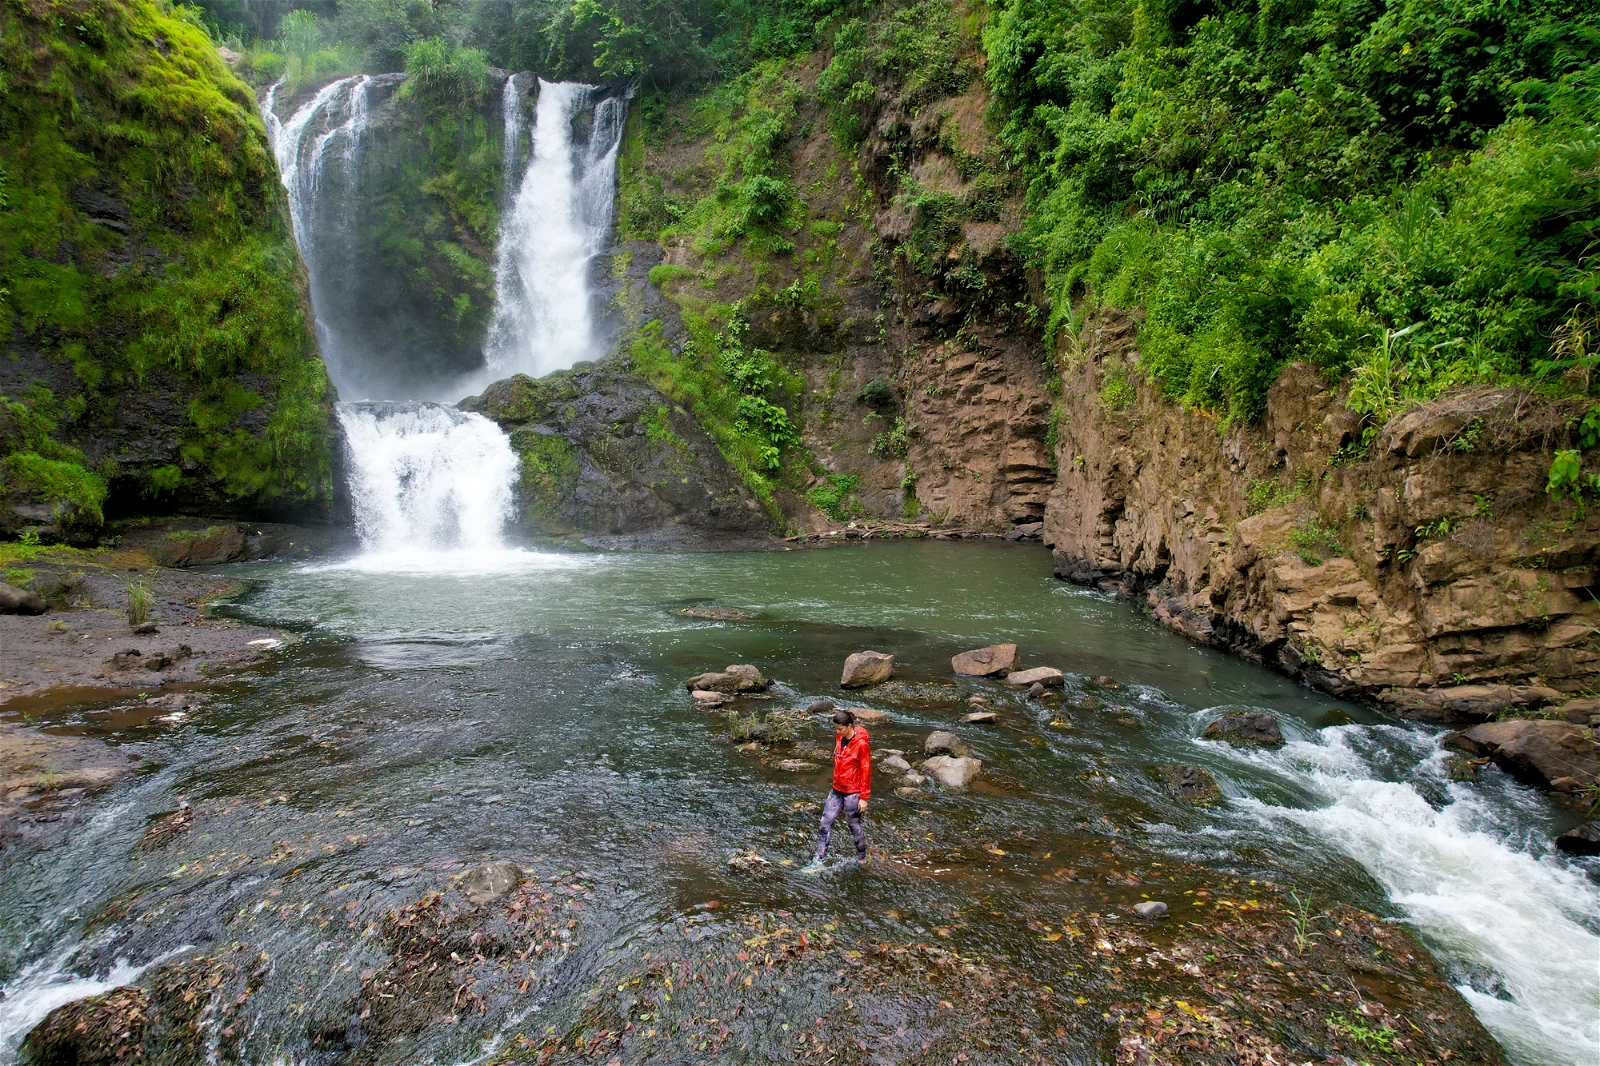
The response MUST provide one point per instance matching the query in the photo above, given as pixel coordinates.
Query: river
(442, 709)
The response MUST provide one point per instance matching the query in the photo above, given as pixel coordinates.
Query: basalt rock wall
(1421, 566)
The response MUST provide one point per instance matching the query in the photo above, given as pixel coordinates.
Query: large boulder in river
(1558, 755)
(739, 678)
(992, 661)
(941, 742)
(952, 771)
(1245, 728)
(19, 601)
(1584, 840)
(866, 668)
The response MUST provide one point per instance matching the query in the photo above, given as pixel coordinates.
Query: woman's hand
(862, 805)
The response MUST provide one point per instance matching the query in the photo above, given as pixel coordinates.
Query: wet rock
(952, 772)
(706, 699)
(19, 601)
(1459, 768)
(1245, 727)
(1584, 840)
(895, 763)
(743, 678)
(980, 717)
(489, 881)
(747, 860)
(941, 742)
(1190, 784)
(906, 792)
(1558, 755)
(978, 701)
(1047, 676)
(867, 715)
(1150, 910)
(113, 1027)
(713, 613)
(913, 779)
(992, 661)
(795, 766)
(866, 668)
(1106, 681)
(820, 707)
(1035, 690)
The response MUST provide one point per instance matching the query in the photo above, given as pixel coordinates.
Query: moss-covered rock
(158, 352)
(607, 458)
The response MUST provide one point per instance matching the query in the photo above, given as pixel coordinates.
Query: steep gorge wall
(158, 351)
(1424, 568)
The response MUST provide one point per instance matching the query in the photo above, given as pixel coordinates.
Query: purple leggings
(851, 805)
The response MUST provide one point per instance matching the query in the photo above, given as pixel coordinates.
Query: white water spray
(428, 481)
(560, 220)
(340, 112)
(1463, 880)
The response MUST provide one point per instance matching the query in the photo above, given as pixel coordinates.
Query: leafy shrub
(836, 496)
(441, 71)
(1315, 542)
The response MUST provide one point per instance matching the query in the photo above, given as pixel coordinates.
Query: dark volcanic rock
(1189, 783)
(19, 601)
(1246, 727)
(1584, 840)
(606, 456)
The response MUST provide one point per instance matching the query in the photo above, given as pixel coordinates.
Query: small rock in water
(1246, 727)
(1106, 681)
(1150, 909)
(1040, 675)
(869, 714)
(895, 763)
(1584, 840)
(986, 662)
(1460, 768)
(941, 742)
(707, 699)
(742, 678)
(750, 745)
(713, 613)
(1189, 783)
(978, 701)
(908, 793)
(980, 717)
(866, 668)
(913, 780)
(1035, 690)
(795, 766)
(488, 882)
(951, 772)
(747, 860)
(823, 706)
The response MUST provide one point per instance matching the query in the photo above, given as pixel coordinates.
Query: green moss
(836, 496)
(60, 482)
(149, 250)
(549, 475)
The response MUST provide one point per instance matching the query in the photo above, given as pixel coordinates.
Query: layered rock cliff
(158, 352)
(1419, 563)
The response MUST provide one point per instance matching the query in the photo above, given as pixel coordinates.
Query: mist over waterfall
(559, 221)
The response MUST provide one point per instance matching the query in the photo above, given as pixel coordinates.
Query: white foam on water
(41, 987)
(431, 485)
(1464, 881)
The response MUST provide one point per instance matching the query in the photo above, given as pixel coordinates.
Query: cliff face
(1422, 565)
(158, 353)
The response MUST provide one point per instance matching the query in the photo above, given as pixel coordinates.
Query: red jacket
(852, 764)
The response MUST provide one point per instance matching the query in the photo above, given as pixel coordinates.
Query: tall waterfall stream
(456, 700)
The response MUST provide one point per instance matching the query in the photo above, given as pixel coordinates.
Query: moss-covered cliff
(158, 353)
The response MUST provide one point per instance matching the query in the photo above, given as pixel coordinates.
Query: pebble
(977, 701)
(895, 763)
(1150, 909)
(1035, 691)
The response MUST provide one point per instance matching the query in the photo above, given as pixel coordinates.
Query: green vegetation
(1315, 542)
(836, 496)
(1405, 192)
(147, 256)
(141, 601)
(549, 473)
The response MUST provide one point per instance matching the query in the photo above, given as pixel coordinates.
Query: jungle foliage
(1408, 192)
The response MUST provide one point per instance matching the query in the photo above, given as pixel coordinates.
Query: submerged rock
(795, 766)
(992, 661)
(489, 881)
(943, 742)
(713, 613)
(707, 699)
(980, 717)
(19, 601)
(952, 771)
(1191, 784)
(1557, 755)
(1245, 727)
(866, 668)
(1150, 910)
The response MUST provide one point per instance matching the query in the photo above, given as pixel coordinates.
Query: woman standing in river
(852, 785)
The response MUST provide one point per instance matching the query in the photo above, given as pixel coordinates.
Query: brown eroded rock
(1558, 755)
(734, 679)
(19, 601)
(1245, 727)
(866, 668)
(1047, 676)
(992, 661)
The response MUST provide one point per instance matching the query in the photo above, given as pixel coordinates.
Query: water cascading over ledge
(425, 477)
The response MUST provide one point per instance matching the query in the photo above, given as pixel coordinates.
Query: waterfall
(341, 109)
(559, 221)
(427, 481)
(516, 91)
